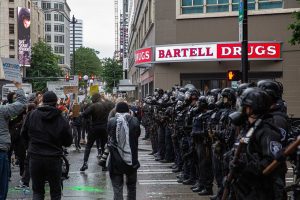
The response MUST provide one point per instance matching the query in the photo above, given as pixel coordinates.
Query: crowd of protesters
(35, 132)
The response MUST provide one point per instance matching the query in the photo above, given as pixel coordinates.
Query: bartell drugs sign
(217, 51)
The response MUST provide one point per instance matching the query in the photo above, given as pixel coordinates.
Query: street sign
(241, 18)
(27, 87)
(115, 90)
(234, 84)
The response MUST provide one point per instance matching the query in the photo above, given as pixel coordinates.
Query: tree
(44, 63)
(295, 27)
(87, 62)
(111, 73)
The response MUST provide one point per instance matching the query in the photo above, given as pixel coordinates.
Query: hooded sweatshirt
(46, 131)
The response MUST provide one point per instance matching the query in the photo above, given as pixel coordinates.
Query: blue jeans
(4, 171)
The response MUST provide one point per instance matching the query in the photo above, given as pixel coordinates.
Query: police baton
(288, 151)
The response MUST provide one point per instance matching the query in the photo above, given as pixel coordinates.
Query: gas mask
(238, 118)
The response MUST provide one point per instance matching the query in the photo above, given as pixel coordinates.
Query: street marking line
(161, 183)
(171, 180)
(155, 172)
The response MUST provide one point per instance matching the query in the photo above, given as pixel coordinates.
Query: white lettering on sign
(175, 53)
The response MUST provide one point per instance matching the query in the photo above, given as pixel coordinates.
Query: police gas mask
(239, 117)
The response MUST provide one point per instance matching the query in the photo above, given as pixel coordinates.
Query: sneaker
(84, 167)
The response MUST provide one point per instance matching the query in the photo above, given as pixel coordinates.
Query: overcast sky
(98, 24)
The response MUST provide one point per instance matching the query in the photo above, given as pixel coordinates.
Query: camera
(102, 161)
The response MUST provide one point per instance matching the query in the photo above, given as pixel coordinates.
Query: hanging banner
(24, 41)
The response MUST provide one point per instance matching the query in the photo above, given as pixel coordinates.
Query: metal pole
(73, 22)
(245, 63)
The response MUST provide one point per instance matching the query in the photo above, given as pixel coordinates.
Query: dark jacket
(45, 131)
(134, 134)
(99, 112)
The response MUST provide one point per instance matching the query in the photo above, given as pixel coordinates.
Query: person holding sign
(6, 112)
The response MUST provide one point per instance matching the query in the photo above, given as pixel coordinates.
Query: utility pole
(243, 38)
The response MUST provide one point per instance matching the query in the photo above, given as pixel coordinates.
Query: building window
(59, 28)
(11, 1)
(48, 17)
(59, 39)
(59, 6)
(11, 44)
(214, 6)
(192, 6)
(61, 60)
(29, 5)
(217, 6)
(59, 18)
(12, 56)
(46, 5)
(39, 29)
(267, 4)
(48, 38)
(48, 27)
(11, 13)
(11, 29)
(59, 49)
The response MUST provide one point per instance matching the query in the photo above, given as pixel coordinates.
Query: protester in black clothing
(99, 112)
(124, 131)
(45, 131)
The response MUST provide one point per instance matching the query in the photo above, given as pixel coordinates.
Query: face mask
(238, 118)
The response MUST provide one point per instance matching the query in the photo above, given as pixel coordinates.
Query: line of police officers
(202, 133)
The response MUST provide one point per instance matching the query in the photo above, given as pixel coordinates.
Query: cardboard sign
(70, 89)
(10, 70)
(76, 110)
(94, 89)
(7, 88)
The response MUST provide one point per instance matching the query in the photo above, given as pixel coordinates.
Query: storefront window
(213, 6)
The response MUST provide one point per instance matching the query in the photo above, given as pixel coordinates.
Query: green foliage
(44, 63)
(87, 62)
(111, 73)
(295, 27)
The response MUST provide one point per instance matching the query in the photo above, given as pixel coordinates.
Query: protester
(6, 112)
(98, 111)
(124, 131)
(46, 131)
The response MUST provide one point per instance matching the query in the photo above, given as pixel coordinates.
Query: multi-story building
(57, 28)
(78, 35)
(9, 26)
(197, 41)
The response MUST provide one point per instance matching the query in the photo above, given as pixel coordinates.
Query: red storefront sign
(261, 51)
(142, 56)
(217, 51)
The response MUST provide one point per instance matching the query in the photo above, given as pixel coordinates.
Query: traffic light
(79, 77)
(233, 75)
(67, 77)
(92, 77)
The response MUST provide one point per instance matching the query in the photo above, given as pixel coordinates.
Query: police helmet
(273, 88)
(229, 93)
(202, 102)
(257, 99)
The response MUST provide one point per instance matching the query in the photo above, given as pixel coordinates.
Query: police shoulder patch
(275, 147)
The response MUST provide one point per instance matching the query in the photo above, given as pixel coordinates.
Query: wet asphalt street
(155, 180)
